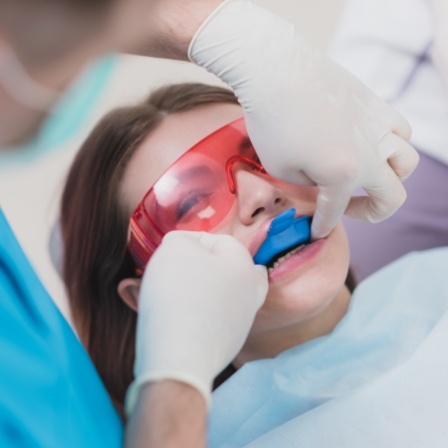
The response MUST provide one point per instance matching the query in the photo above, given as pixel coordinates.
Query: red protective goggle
(195, 193)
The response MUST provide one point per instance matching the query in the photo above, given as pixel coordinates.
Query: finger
(400, 126)
(225, 246)
(330, 206)
(229, 248)
(232, 250)
(182, 235)
(195, 241)
(262, 284)
(383, 199)
(401, 156)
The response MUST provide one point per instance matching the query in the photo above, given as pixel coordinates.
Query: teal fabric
(380, 379)
(68, 116)
(50, 393)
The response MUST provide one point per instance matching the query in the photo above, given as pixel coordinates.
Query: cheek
(231, 225)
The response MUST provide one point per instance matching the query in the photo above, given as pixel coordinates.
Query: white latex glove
(310, 121)
(198, 299)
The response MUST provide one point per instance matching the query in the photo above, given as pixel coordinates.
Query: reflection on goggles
(195, 193)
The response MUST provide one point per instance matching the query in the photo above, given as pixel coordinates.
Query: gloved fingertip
(262, 270)
(318, 232)
(177, 235)
(262, 284)
(171, 235)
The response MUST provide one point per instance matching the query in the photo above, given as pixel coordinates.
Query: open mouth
(276, 260)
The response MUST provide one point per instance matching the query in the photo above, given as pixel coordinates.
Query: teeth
(286, 256)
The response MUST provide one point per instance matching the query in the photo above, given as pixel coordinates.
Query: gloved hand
(198, 298)
(310, 121)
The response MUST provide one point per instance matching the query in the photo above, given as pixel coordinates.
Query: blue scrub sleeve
(50, 393)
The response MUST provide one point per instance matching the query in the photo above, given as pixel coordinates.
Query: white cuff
(204, 23)
(134, 388)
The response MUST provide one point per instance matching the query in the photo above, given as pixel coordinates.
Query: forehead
(172, 138)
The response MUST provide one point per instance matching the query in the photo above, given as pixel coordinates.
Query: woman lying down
(322, 366)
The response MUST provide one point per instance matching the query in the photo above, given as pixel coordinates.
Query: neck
(270, 343)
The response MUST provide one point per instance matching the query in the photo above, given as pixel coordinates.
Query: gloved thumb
(262, 283)
(330, 206)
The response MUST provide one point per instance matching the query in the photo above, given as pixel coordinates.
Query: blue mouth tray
(286, 231)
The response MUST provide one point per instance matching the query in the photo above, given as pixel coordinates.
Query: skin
(307, 296)
(168, 414)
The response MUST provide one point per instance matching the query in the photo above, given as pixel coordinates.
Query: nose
(257, 197)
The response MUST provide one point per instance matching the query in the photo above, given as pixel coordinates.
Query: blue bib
(378, 380)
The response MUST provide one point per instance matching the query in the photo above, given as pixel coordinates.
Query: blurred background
(30, 194)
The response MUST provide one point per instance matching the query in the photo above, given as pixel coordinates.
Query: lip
(294, 263)
(259, 237)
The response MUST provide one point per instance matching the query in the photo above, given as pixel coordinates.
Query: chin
(301, 298)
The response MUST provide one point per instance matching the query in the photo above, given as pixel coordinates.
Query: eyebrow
(243, 146)
(194, 171)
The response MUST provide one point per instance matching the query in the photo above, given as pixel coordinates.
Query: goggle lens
(195, 193)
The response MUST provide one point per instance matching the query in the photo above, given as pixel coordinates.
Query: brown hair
(94, 228)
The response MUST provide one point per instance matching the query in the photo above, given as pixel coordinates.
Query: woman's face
(302, 286)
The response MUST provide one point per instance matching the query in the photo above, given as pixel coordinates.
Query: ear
(128, 290)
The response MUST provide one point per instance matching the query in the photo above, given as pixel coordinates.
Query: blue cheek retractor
(286, 231)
